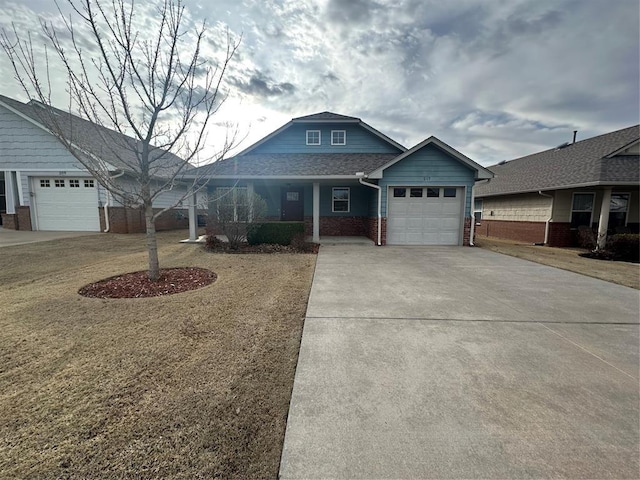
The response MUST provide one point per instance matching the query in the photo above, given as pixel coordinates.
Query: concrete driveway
(458, 362)
(20, 237)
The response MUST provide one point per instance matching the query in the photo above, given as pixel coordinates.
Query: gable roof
(323, 117)
(594, 161)
(92, 140)
(481, 172)
(288, 165)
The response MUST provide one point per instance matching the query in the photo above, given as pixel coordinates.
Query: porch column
(250, 199)
(604, 218)
(10, 191)
(193, 217)
(316, 212)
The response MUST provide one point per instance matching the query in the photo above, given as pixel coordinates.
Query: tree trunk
(152, 243)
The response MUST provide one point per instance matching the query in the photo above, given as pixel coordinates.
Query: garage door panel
(60, 206)
(424, 220)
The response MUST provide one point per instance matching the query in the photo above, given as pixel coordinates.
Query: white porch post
(250, 199)
(604, 218)
(10, 192)
(316, 212)
(193, 217)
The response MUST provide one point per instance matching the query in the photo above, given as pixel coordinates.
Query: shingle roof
(581, 163)
(296, 164)
(327, 116)
(109, 146)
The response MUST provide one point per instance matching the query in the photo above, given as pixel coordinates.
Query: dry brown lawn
(193, 385)
(622, 273)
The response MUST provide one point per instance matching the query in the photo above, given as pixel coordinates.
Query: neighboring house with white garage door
(43, 187)
(343, 177)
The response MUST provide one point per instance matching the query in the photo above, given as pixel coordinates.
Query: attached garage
(66, 204)
(425, 215)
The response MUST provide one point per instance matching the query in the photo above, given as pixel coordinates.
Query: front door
(292, 204)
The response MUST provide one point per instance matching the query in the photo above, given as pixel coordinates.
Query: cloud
(261, 85)
(495, 79)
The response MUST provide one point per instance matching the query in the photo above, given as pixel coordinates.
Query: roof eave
(560, 187)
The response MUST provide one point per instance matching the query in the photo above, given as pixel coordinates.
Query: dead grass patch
(195, 385)
(622, 273)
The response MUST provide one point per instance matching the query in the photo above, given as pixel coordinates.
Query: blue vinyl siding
(358, 201)
(428, 166)
(294, 140)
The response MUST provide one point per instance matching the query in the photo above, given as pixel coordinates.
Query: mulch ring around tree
(138, 285)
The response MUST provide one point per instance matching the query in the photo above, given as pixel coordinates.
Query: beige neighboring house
(548, 196)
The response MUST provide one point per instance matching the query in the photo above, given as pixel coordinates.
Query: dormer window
(338, 137)
(313, 137)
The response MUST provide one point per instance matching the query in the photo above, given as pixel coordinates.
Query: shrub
(625, 247)
(274, 232)
(236, 212)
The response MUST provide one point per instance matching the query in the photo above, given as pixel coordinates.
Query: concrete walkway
(462, 363)
(20, 237)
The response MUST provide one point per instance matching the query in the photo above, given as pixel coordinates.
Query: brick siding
(466, 235)
(131, 220)
(10, 221)
(531, 232)
(372, 230)
(561, 235)
(24, 218)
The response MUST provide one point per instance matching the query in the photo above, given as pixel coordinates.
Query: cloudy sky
(495, 79)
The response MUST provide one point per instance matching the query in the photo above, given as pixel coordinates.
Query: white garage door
(67, 204)
(424, 215)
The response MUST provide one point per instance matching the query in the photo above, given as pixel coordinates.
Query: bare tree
(145, 90)
(236, 211)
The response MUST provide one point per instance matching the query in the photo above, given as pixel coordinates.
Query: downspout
(546, 224)
(379, 188)
(472, 231)
(106, 205)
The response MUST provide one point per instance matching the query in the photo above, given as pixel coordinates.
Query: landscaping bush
(280, 233)
(625, 247)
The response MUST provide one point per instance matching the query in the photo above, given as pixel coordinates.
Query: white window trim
(338, 131)
(319, 137)
(593, 204)
(626, 213)
(333, 200)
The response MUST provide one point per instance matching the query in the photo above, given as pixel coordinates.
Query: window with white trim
(232, 205)
(582, 209)
(618, 211)
(341, 197)
(338, 137)
(313, 137)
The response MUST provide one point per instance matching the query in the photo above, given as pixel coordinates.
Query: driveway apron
(453, 362)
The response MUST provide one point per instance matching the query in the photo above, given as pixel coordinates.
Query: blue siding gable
(428, 166)
(294, 140)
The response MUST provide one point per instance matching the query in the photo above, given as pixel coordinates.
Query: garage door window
(433, 192)
(399, 192)
(88, 184)
(450, 192)
(74, 183)
(45, 184)
(415, 193)
(59, 183)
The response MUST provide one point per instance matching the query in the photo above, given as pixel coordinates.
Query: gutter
(546, 224)
(106, 205)
(360, 176)
(472, 231)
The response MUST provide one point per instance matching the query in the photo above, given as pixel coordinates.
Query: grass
(622, 273)
(194, 385)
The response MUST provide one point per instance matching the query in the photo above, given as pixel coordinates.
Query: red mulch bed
(138, 285)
